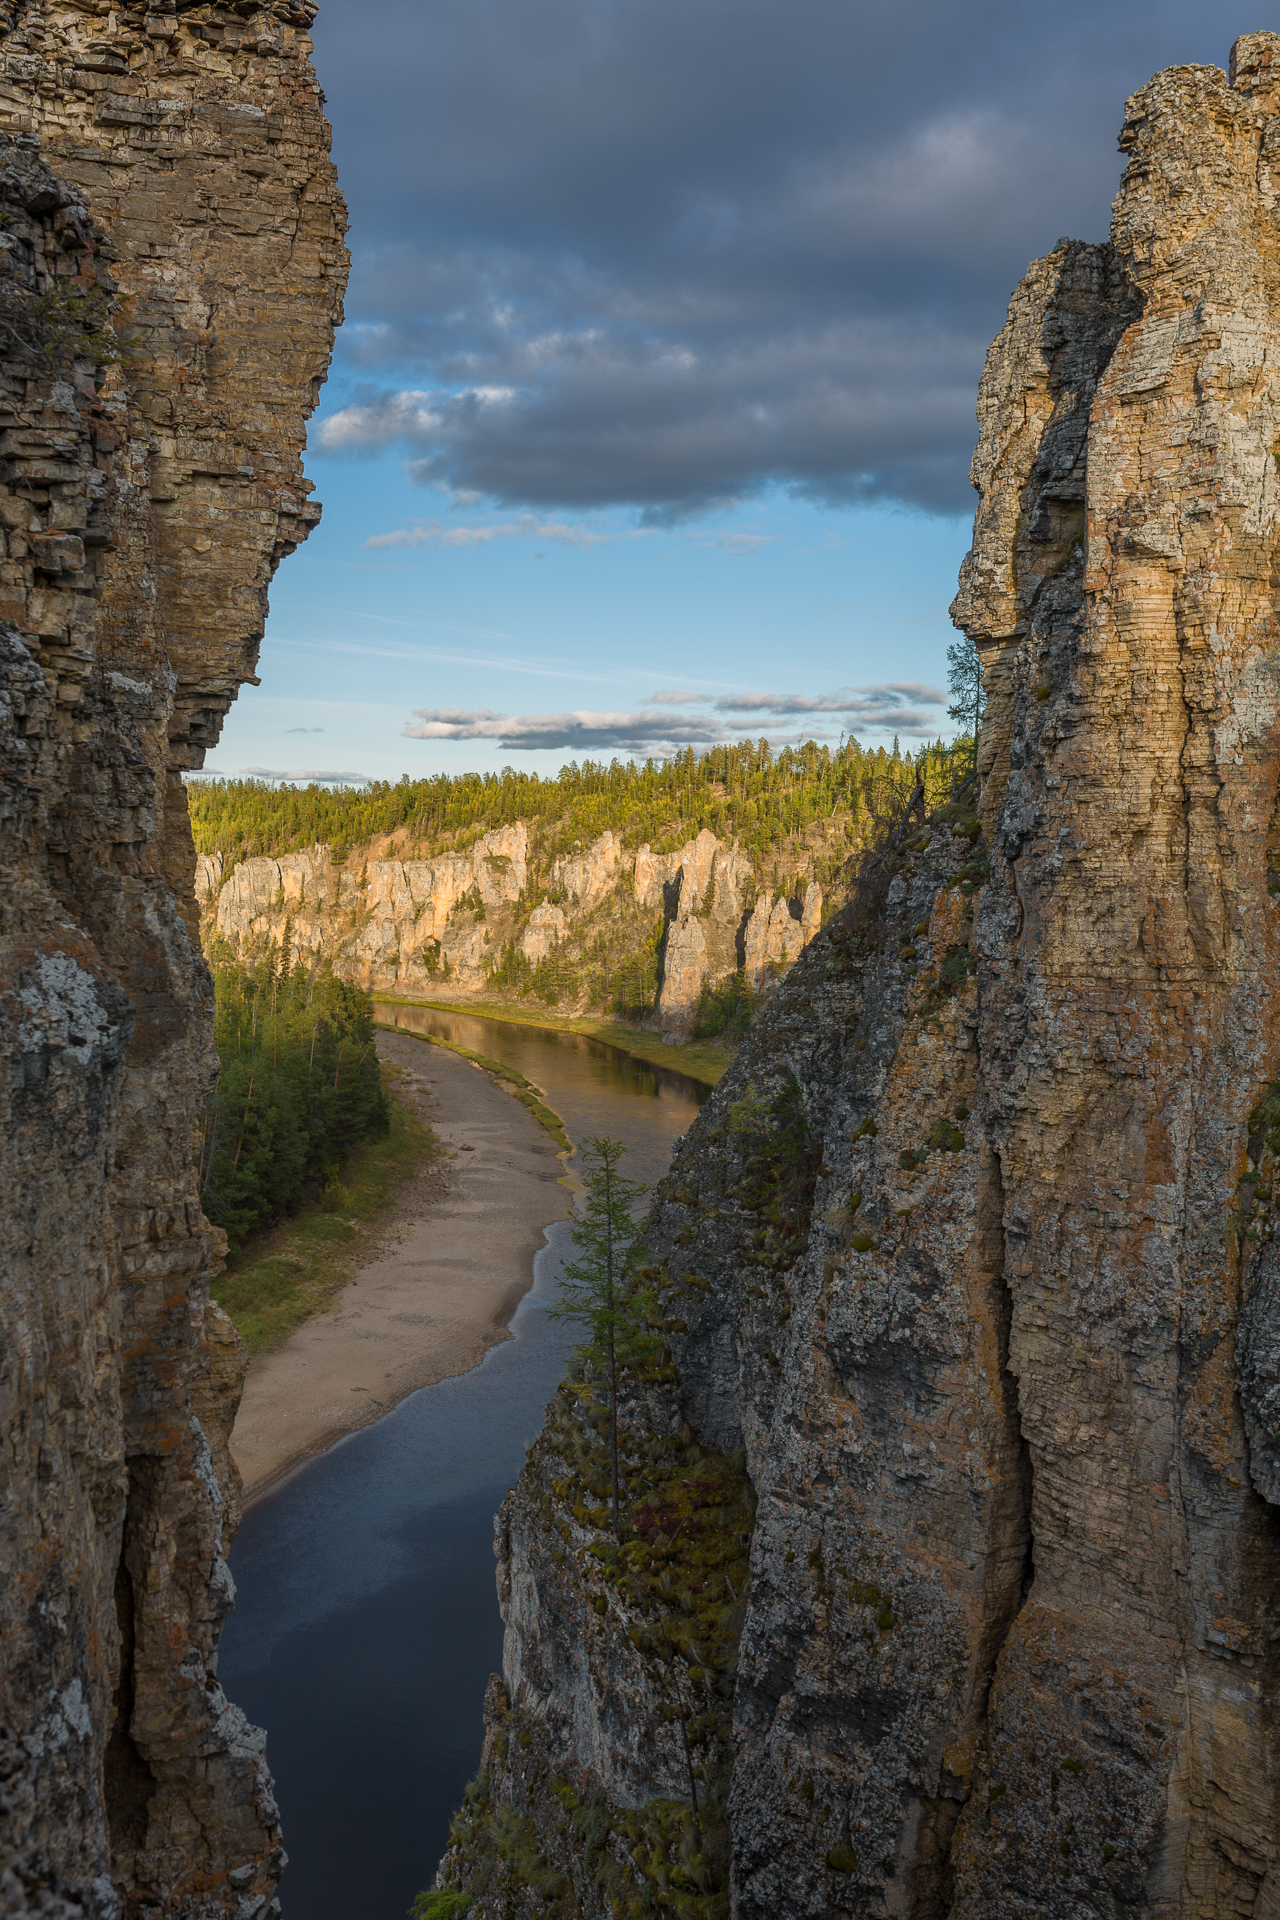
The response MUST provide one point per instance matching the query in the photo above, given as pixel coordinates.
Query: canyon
(173, 269)
(948, 1580)
(950, 1573)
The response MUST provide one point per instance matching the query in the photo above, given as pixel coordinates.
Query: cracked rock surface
(171, 268)
(1004, 1374)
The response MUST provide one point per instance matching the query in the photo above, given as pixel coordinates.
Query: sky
(651, 418)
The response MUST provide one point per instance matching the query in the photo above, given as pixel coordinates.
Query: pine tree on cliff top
(598, 1289)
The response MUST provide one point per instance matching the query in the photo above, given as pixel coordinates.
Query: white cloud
(306, 776)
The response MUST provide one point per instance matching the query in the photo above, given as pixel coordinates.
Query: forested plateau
(674, 889)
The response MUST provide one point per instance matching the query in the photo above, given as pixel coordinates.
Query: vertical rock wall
(411, 925)
(1010, 1639)
(172, 272)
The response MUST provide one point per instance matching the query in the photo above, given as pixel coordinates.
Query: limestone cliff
(439, 925)
(171, 269)
(968, 1269)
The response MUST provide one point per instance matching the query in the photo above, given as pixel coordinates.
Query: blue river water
(366, 1621)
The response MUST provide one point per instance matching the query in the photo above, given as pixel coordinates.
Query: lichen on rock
(172, 270)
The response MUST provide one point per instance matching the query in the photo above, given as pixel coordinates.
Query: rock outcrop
(441, 925)
(970, 1261)
(172, 269)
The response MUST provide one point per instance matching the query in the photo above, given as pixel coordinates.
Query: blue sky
(781, 597)
(651, 420)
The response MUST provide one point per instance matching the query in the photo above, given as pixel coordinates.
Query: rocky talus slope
(952, 1578)
(171, 272)
(432, 926)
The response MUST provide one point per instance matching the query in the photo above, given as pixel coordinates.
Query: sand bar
(439, 1291)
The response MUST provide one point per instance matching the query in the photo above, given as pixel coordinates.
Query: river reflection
(366, 1623)
(589, 1084)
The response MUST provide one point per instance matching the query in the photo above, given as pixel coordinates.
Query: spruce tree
(598, 1289)
(964, 684)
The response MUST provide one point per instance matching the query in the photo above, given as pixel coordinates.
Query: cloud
(847, 412)
(432, 533)
(861, 701)
(307, 776)
(304, 729)
(602, 261)
(656, 728)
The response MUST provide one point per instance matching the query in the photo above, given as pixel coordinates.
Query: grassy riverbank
(523, 1090)
(286, 1273)
(700, 1060)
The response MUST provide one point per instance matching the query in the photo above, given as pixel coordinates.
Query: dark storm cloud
(658, 256)
(656, 729)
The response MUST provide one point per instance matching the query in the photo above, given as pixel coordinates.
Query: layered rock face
(1005, 1375)
(440, 925)
(172, 273)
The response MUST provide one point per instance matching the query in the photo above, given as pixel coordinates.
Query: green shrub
(443, 1903)
(726, 1009)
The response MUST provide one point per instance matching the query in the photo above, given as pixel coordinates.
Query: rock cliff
(172, 268)
(951, 1580)
(441, 925)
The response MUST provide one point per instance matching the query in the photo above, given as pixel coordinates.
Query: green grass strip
(524, 1090)
(699, 1060)
(286, 1273)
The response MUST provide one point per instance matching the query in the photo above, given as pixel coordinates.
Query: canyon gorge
(948, 1583)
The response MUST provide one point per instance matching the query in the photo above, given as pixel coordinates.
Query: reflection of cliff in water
(582, 1078)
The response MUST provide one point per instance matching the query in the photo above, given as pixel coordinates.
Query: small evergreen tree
(964, 684)
(599, 1289)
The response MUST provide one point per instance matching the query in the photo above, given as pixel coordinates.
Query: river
(366, 1621)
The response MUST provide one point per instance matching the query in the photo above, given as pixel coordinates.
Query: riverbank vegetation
(299, 1085)
(282, 1275)
(302, 1146)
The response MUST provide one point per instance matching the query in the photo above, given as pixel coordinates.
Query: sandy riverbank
(441, 1291)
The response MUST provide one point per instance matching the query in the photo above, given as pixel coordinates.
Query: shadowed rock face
(173, 272)
(1010, 1642)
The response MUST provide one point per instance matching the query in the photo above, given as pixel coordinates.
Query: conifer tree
(964, 684)
(598, 1289)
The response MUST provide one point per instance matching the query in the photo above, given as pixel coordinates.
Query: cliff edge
(950, 1580)
(171, 270)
